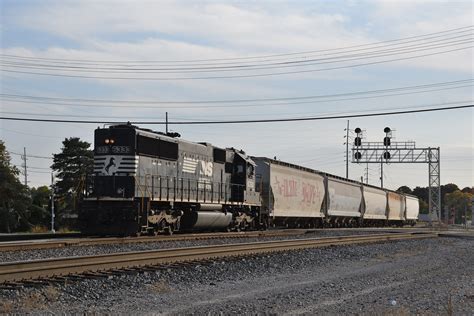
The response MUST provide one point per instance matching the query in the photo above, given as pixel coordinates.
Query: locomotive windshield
(114, 141)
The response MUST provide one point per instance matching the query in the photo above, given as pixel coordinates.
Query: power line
(28, 167)
(238, 106)
(244, 121)
(128, 118)
(465, 39)
(324, 96)
(237, 76)
(465, 28)
(30, 156)
(33, 171)
(29, 134)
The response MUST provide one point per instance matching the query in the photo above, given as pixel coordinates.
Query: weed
(160, 287)
(32, 302)
(449, 306)
(38, 229)
(51, 293)
(6, 307)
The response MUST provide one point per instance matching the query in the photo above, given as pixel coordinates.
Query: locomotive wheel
(162, 226)
(169, 230)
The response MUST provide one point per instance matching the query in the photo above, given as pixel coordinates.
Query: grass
(51, 293)
(34, 301)
(38, 229)
(449, 306)
(160, 287)
(6, 307)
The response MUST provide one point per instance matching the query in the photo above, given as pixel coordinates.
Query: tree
(468, 190)
(448, 188)
(72, 164)
(460, 203)
(40, 204)
(14, 196)
(422, 194)
(405, 189)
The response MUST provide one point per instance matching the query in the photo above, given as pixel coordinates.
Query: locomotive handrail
(187, 189)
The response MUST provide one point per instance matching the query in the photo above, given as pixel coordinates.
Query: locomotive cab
(244, 177)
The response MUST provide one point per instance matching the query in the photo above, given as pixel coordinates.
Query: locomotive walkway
(55, 270)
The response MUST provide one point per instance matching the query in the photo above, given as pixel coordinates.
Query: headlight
(112, 141)
(106, 140)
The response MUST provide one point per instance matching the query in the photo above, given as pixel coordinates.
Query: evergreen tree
(14, 196)
(72, 165)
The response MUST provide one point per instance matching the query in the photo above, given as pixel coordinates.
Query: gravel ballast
(74, 251)
(430, 276)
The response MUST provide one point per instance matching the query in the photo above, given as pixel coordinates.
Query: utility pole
(52, 203)
(367, 174)
(24, 166)
(166, 122)
(347, 150)
(381, 172)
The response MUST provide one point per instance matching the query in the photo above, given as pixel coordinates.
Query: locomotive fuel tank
(205, 220)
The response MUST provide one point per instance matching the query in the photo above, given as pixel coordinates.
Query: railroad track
(74, 241)
(111, 263)
(36, 236)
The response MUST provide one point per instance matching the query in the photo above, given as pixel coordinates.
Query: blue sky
(190, 30)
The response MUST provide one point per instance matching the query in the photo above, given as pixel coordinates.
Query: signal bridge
(402, 152)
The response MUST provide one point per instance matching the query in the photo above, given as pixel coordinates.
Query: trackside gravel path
(430, 276)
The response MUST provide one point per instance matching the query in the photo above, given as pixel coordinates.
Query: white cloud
(159, 30)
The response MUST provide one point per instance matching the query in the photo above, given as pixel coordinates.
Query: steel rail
(48, 268)
(74, 242)
(35, 236)
(18, 245)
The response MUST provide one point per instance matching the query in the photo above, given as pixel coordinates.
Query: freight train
(147, 182)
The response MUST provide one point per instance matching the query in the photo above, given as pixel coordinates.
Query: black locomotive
(152, 182)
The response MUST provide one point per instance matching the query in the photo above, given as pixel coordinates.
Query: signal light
(357, 141)
(386, 130)
(386, 155)
(386, 141)
(358, 130)
(357, 155)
